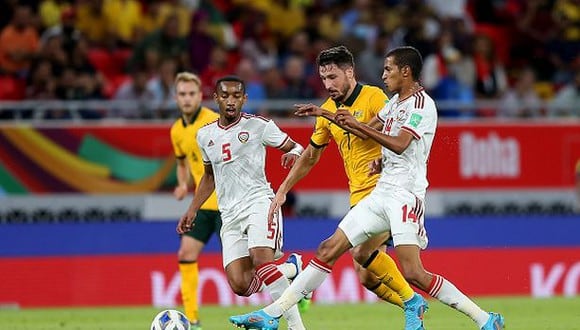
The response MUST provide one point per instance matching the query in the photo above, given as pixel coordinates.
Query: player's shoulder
(208, 127)
(372, 90)
(177, 126)
(255, 119)
(422, 101)
(329, 104)
(208, 114)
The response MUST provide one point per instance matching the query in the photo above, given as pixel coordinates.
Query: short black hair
(233, 79)
(339, 55)
(408, 56)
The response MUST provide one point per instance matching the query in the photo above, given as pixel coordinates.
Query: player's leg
(351, 231)
(236, 258)
(370, 280)
(190, 247)
(403, 228)
(265, 246)
(443, 290)
(439, 287)
(308, 280)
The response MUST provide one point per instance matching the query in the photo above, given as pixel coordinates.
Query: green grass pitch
(520, 313)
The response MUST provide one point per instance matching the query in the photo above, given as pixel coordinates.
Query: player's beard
(341, 97)
(231, 117)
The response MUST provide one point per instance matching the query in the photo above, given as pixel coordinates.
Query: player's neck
(188, 117)
(349, 92)
(409, 90)
(224, 121)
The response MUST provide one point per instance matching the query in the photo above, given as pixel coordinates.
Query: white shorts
(250, 229)
(387, 208)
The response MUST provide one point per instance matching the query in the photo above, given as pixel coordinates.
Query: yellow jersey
(184, 141)
(364, 104)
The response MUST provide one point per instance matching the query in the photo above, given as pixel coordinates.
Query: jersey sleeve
(179, 153)
(321, 135)
(200, 144)
(273, 135)
(419, 122)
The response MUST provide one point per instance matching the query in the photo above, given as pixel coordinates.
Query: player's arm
(397, 144)
(311, 110)
(204, 190)
(292, 150)
(301, 168)
(182, 173)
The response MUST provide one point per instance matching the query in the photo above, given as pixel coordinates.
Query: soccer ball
(170, 320)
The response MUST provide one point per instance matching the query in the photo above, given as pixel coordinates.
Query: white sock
(450, 295)
(307, 281)
(288, 269)
(276, 284)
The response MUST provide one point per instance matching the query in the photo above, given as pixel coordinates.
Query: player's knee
(326, 252)
(187, 254)
(360, 254)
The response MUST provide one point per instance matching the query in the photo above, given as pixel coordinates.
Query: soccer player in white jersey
(233, 149)
(408, 123)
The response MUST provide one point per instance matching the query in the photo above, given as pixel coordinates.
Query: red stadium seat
(113, 83)
(501, 37)
(12, 88)
(110, 64)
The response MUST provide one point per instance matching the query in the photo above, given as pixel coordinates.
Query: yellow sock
(387, 294)
(385, 268)
(189, 279)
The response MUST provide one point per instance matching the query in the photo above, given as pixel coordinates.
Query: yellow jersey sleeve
(321, 135)
(175, 141)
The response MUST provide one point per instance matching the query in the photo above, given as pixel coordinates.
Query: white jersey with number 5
(237, 154)
(417, 115)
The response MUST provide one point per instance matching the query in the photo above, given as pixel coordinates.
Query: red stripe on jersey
(416, 92)
(410, 130)
(283, 142)
(419, 100)
(249, 115)
(230, 125)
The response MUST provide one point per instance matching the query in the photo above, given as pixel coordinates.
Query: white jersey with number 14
(237, 154)
(416, 114)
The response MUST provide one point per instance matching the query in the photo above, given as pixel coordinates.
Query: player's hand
(345, 118)
(275, 206)
(186, 222)
(305, 110)
(180, 192)
(288, 160)
(375, 167)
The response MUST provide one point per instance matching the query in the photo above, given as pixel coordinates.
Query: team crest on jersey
(243, 137)
(401, 116)
(210, 143)
(357, 114)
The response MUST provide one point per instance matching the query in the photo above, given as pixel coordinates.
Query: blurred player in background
(189, 164)
(234, 156)
(336, 69)
(408, 123)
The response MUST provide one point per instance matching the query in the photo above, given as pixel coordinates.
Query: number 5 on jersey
(226, 152)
